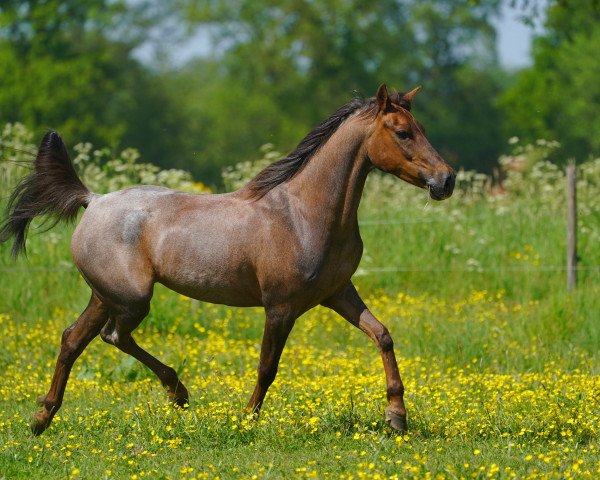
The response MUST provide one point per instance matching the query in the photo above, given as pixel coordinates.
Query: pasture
(500, 364)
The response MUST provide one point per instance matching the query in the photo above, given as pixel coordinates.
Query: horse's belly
(235, 294)
(214, 274)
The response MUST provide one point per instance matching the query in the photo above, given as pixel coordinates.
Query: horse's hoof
(39, 423)
(396, 420)
(179, 400)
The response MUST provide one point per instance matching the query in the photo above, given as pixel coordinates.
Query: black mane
(284, 169)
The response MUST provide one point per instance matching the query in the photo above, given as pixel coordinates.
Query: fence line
(541, 268)
(571, 226)
(402, 222)
(438, 219)
(366, 270)
(38, 269)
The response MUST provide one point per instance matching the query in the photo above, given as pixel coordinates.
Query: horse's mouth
(436, 194)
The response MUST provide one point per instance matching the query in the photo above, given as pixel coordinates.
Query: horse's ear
(410, 95)
(382, 97)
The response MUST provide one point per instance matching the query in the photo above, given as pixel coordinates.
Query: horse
(287, 241)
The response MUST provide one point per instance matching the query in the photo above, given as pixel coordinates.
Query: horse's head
(398, 145)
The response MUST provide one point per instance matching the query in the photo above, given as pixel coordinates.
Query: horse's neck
(329, 187)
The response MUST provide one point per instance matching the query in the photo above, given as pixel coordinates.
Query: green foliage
(99, 169)
(557, 97)
(69, 66)
(60, 70)
(236, 176)
(225, 123)
(308, 58)
(278, 68)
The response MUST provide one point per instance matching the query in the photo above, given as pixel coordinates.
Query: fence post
(571, 227)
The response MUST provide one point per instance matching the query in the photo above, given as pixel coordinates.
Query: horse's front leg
(278, 325)
(350, 306)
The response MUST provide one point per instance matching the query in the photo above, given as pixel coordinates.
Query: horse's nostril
(449, 183)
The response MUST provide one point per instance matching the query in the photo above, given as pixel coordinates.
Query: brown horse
(287, 241)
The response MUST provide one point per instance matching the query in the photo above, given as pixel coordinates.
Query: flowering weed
(471, 416)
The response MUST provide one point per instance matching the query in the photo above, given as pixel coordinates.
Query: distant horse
(287, 241)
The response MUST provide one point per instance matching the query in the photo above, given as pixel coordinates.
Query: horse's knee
(384, 340)
(70, 347)
(66, 333)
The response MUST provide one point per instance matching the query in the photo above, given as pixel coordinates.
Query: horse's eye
(402, 134)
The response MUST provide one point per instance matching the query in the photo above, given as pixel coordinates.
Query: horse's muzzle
(442, 185)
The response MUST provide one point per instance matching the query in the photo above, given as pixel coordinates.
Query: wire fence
(372, 270)
(38, 269)
(499, 269)
(368, 270)
(401, 222)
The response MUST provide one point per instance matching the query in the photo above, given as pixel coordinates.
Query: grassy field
(500, 364)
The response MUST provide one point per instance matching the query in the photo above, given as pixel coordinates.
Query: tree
(280, 67)
(69, 66)
(277, 69)
(556, 98)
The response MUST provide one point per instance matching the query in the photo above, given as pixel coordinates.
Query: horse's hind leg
(74, 340)
(117, 332)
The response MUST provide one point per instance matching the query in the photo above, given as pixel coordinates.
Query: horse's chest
(328, 265)
(327, 269)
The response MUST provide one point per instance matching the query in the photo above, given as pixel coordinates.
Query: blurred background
(202, 84)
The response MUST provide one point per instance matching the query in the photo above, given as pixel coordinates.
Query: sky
(514, 39)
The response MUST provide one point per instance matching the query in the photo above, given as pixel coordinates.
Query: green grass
(489, 387)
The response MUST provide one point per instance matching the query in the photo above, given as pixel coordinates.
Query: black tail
(53, 188)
